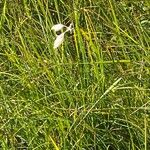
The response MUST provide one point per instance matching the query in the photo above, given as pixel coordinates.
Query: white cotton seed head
(57, 27)
(59, 40)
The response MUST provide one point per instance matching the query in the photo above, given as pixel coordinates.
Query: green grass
(91, 93)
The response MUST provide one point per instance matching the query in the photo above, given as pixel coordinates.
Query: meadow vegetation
(91, 93)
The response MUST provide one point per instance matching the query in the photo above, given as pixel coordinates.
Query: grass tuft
(90, 93)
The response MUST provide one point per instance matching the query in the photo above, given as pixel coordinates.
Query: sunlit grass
(90, 93)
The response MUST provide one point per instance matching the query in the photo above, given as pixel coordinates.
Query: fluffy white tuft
(57, 27)
(59, 40)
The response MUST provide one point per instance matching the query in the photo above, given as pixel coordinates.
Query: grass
(92, 92)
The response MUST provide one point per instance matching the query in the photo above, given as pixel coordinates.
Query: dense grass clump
(91, 93)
